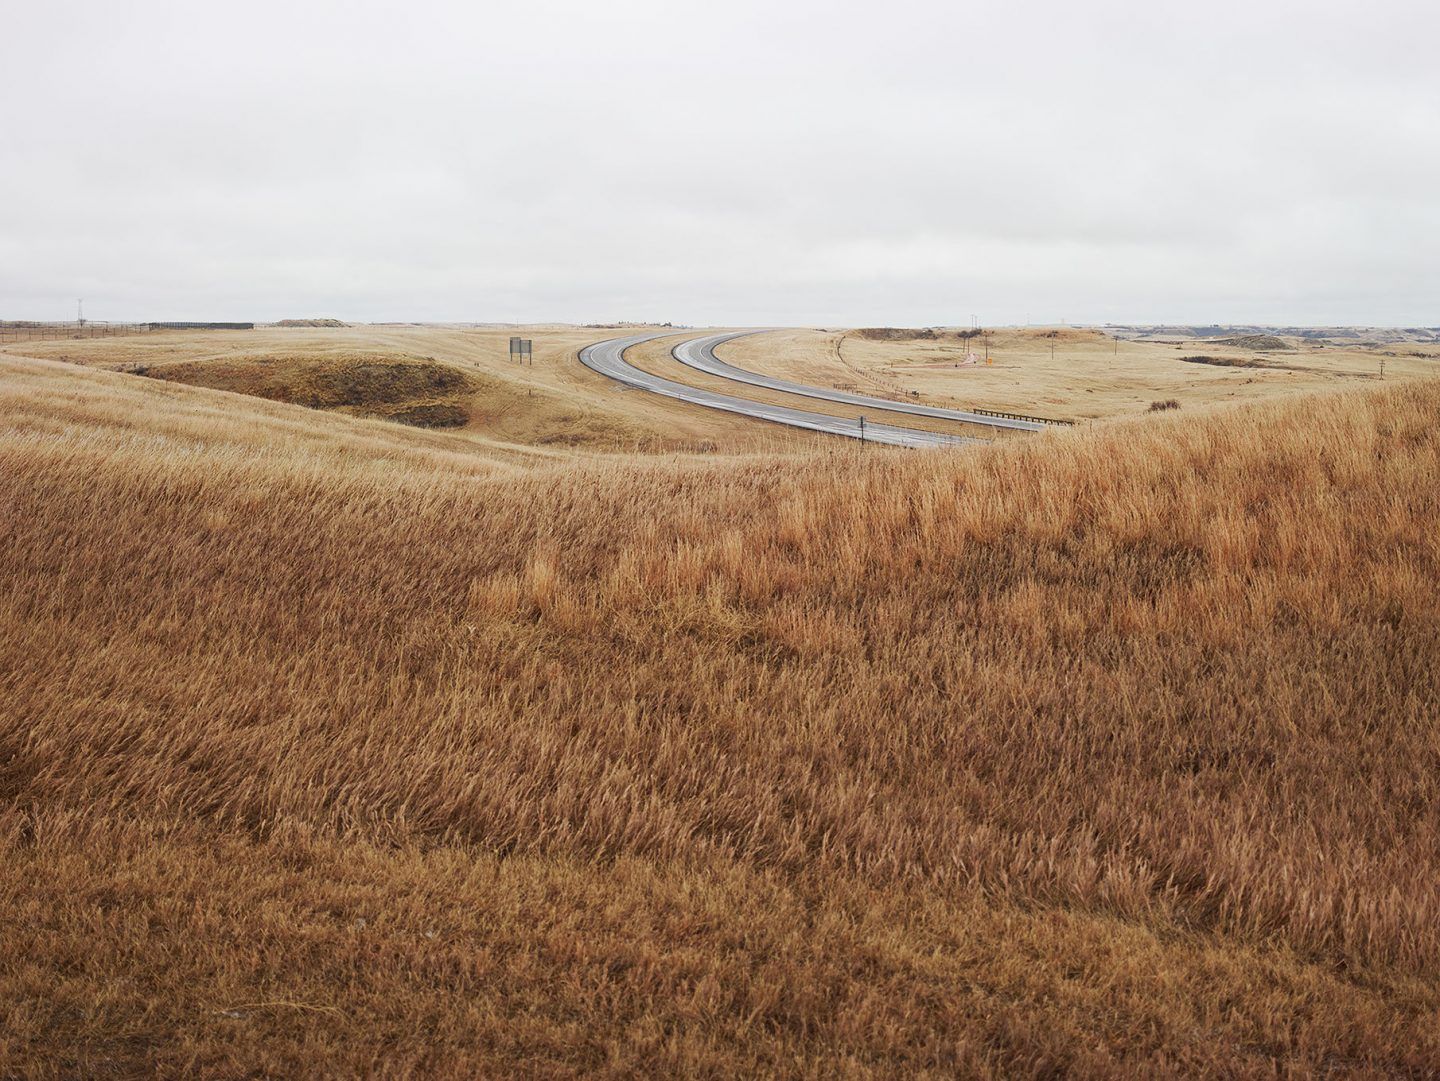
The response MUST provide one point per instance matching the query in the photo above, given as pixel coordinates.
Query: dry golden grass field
(553, 404)
(1088, 377)
(334, 746)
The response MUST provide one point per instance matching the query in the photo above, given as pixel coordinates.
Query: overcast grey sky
(723, 162)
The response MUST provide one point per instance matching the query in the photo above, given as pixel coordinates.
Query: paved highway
(699, 353)
(608, 358)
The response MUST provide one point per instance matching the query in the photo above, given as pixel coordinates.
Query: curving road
(699, 353)
(608, 358)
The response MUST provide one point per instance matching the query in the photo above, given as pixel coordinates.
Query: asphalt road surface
(699, 353)
(608, 358)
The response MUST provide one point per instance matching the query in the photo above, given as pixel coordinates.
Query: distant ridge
(1375, 335)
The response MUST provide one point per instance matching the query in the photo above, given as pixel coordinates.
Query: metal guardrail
(1022, 416)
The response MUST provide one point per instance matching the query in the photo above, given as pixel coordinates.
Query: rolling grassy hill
(330, 746)
(1067, 372)
(457, 378)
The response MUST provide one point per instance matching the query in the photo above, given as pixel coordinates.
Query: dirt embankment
(963, 334)
(1229, 362)
(1271, 365)
(1259, 342)
(410, 390)
(912, 334)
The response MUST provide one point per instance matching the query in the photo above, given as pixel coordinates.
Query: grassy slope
(554, 402)
(1111, 753)
(406, 389)
(1086, 378)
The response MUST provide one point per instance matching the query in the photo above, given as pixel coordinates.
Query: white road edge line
(608, 359)
(699, 353)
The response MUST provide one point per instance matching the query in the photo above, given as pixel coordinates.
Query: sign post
(521, 350)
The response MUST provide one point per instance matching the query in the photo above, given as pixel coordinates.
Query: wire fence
(33, 332)
(25, 330)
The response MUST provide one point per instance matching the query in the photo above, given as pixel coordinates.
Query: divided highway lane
(699, 353)
(608, 358)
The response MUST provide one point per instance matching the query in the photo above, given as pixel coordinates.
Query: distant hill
(1255, 341)
(1365, 335)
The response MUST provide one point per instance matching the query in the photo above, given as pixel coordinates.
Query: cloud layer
(915, 162)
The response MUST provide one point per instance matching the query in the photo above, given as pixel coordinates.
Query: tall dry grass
(1178, 676)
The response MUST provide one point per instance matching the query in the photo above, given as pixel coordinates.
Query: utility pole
(80, 311)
